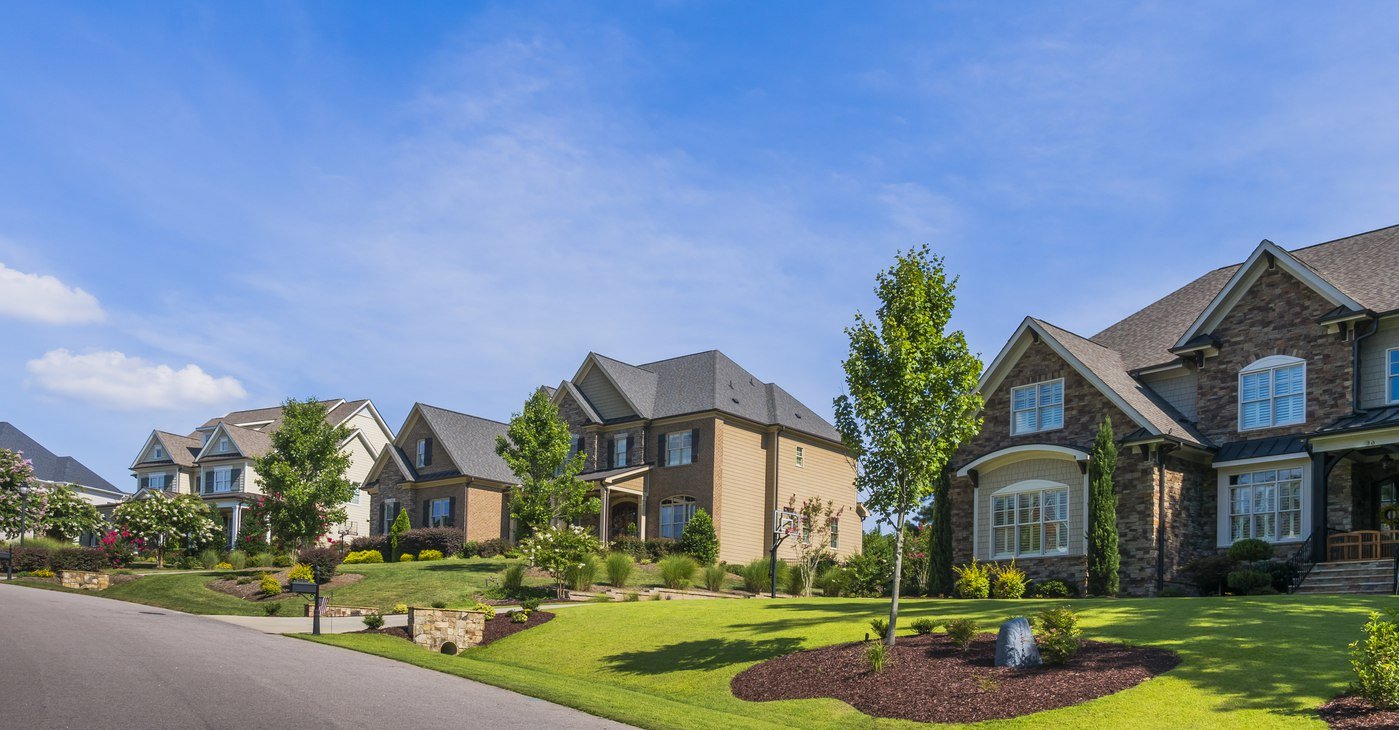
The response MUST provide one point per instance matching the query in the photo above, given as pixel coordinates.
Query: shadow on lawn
(1270, 653)
(444, 567)
(702, 655)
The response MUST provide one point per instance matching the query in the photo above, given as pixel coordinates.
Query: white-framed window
(386, 515)
(440, 512)
(1030, 522)
(223, 445)
(223, 479)
(835, 533)
(801, 456)
(619, 450)
(1037, 407)
(422, 453)
(675, 512)
(156, 481)
(1265, 504)
(678, 448)
(157, 452)
(1391, 374)
(1273, 392)
(356, 499)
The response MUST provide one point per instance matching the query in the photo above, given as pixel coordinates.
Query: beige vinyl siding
(246, 481)
(604, 398)
(1180, 389)
(361, 461)
(825, 474)
(374, 433)
(1061, 471)
(1374, 384)
(742, 495)
(172, 475)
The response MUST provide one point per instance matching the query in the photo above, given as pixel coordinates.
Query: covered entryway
(1355, 475)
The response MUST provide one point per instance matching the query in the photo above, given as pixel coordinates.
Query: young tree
(161, 521)
(69, 515)
(556, 549)
(536, 447)
(912, 394)
(813, 546)
(303, 477)
(1102, 514)
(698, 539)
(939, 536)
(400, 525)
(16, 472)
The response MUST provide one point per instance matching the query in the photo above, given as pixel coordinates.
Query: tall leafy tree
(1102, 514)
(162, 521)
(69, 515)
(537, 448)
(939, 535)
(16, 472)
(303, 477)
(912, 394)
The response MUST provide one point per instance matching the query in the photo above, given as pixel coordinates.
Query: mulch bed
(252, 590)
(1353, 711)
(496, 629)
(928, 679)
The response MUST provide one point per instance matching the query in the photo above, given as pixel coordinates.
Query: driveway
(73, 661)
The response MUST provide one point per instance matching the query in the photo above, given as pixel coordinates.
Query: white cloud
(112, 380)
(43, 298)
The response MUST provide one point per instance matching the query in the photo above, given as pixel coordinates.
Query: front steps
(1360, 577)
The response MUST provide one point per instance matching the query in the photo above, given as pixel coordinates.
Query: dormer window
(157, 452)
(1273, 392)
(223, 445)
(1037, 407)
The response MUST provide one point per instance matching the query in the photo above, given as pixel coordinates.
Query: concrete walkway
(74, 661)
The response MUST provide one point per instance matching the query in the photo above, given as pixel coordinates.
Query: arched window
(675, 512)
(1273, 392)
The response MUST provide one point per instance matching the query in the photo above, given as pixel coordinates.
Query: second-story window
(1273, 392)
(1392, 375)
(157, 452)
(156, 481)
(619, 450)
(223, 480)
(679, 448)
(801, 456)
(1037, 407)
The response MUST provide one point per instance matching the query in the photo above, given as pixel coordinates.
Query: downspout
(776, 480)
(1355, 341)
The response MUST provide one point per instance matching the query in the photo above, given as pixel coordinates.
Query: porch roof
(1260, 448)
(1376, 418)
(607, 475)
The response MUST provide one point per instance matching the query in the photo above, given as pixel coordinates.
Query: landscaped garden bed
(928, 679)
(495, 629)
(1353, 711)
(250, 586)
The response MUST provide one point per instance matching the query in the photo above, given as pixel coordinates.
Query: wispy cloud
(112, 380)
(43, 298)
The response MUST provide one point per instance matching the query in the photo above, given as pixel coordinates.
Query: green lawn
(1265, 661)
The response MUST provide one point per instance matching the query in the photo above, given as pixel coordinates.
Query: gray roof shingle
(49, 466)
(470, 441)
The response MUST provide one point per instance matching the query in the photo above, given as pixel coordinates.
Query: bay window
(1030, 522)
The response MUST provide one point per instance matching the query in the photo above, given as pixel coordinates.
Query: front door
(622, 521)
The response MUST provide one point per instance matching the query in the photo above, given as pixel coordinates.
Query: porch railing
(1361, 545)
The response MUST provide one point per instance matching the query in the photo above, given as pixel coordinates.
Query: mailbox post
(311, 588)
(9, 564)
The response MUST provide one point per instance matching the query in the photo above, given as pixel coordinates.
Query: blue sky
(209, 207)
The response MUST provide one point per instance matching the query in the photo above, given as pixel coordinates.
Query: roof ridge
(681, 357)
(460, 413)
(1342, 238)
(1089, 340)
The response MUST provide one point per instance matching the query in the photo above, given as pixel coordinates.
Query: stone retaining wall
(83, 580)
(341, 611)
(445, 630)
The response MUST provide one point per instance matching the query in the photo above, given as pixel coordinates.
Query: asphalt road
(73, 661)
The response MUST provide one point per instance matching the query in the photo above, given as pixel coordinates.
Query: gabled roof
(1105, 369)
(708, 381)
(248, 442)
(179, 450)
(469, 441)
(569, 389)
(268, 419)
(1358, 269)
(49, 466)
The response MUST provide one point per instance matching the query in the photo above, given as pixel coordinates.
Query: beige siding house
(216, 460)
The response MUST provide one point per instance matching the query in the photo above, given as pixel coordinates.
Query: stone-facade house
(666, 438)
(216, 460)
(443, 469)
(1260, 400)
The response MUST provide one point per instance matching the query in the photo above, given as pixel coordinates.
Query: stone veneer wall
(78, 579)
(434, 628)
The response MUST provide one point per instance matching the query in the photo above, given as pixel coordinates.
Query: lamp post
(23, 508)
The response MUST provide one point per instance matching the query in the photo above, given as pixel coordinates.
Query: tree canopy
(303, 477)
(539, 450)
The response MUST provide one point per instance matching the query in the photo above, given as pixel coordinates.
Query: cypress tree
(1102, 514)
(939, 531)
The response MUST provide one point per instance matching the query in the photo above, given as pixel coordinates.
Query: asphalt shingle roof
(470, 441)
(49, 466)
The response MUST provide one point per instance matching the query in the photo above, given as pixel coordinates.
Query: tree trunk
(898, 570)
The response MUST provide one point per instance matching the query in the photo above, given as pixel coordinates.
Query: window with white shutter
(1037, 407)
(1273, 392)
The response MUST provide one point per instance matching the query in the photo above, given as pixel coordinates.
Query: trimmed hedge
(91, 560)
(28, 559)
(445, 540)
(323, 561)
(492, 548)
(370, 542)
(644, 550)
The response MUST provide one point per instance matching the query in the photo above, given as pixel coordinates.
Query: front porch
(1355, 488)
(623, 496)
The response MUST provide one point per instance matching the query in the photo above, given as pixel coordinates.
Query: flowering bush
(430, 555)
(557, 549)
(15, 472)
(120, 547)
(225, 565)
(485, 608)
(160, 521)
(41, 573)
(269, 586)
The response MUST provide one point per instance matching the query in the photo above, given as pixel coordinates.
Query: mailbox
(301, 586)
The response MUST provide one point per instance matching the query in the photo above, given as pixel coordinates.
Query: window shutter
(660, 451)
(611, 450)
(427, 513)
(694, 445)
(452, 512)
(427, 452)
(578, 447)
(233, 476)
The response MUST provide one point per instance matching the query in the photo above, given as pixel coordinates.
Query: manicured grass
(1266, 661)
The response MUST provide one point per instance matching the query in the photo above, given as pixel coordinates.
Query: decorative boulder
(1015, 645)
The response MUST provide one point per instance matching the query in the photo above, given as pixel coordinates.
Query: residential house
(443, 469)
(216, 459)
(1260, 400)
(666, 438)
(50, 468)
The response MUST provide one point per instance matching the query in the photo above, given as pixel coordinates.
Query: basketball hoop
(784, 524)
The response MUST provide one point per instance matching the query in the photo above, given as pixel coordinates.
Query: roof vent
(735, 400)
(798, 415)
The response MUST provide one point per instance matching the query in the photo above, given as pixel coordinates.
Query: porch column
(1319, 474)
(604, 518)
(234, 522)
(641, 514)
